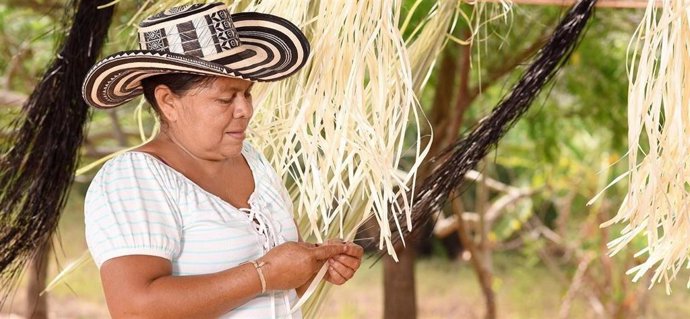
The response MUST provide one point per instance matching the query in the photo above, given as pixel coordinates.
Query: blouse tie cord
(271, 236)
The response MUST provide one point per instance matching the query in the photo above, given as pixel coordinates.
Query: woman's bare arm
(141, 286)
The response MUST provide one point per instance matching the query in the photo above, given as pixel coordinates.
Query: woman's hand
(343, 266)
(291, 265)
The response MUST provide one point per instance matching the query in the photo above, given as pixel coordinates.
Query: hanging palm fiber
(465, 153)
(37, 167)
(654, 214)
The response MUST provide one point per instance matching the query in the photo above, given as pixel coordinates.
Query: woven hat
(200, 39)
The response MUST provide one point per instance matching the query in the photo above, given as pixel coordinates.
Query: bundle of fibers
(464, 154)
(657, 204)
(37, 167)
(335, 130)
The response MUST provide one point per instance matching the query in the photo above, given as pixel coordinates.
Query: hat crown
(201, 30)
(202, 39)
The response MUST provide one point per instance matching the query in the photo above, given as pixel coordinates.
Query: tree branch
(504, 201)
(445, 226)
(575, 286)
(14, 64)
(482, 270)
(490, 182)
(12, 98)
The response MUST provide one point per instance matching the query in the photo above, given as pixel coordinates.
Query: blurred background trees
(521, 217)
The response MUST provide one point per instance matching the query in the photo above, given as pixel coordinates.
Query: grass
(447, 289)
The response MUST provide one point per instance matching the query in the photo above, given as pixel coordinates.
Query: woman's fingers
(334, 276)
(348, 261)
(327, 251)
(343, 270)
(344, 258)
(354, 250)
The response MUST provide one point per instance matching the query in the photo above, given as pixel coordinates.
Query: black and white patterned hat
(199, 39)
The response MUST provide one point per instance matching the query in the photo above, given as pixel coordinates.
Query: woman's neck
(188, 160)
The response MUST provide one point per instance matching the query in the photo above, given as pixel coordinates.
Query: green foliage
(28, 43)
(579, 120)
(567, 148)
(421, 9)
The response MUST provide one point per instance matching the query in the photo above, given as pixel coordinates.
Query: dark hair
(177, 82)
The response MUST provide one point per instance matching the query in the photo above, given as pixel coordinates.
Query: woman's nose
(243, 107)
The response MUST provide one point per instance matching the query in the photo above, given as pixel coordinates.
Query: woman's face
(210, 120)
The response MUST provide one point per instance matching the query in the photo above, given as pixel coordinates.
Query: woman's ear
(168, 103)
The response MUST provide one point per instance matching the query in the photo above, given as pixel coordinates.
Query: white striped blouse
(137, 205)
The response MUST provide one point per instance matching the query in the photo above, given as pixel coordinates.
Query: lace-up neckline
(255, 213)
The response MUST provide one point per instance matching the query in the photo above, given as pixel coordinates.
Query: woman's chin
(231, 150)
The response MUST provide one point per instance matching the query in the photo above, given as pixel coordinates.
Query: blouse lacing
(269, 236)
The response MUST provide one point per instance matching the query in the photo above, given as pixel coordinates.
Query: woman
(196, 223)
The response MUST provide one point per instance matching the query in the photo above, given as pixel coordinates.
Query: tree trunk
(37, 305)
(399, 285)
(399, 280)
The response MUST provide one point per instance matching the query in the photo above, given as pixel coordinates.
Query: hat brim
(272, 49)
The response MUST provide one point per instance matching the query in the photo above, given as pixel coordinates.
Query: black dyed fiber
(37, 168)
(466, 152)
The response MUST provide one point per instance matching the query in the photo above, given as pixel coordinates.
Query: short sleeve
(130, 210)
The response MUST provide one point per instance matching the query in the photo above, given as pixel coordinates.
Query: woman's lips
(236, 135)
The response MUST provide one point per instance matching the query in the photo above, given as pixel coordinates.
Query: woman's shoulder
(129, 162)
(134, 168)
